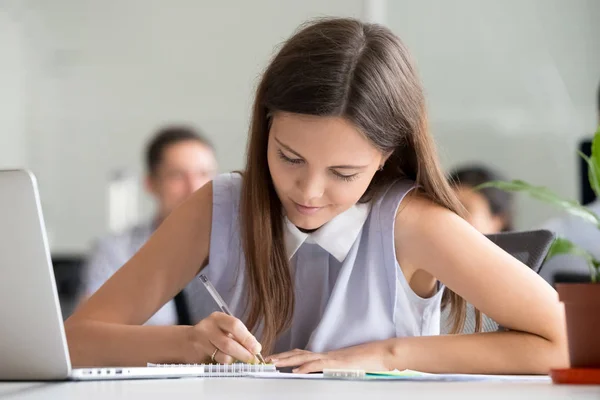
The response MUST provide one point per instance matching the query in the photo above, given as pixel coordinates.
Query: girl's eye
(295, 161)
(286, 159)
(347, 178)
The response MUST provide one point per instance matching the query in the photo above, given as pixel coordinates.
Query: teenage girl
(336, 245)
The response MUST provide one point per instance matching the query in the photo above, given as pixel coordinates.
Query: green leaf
(593, 172)
(596, 146)
(564, 246)
(546, 195)
(593, 163)
(596, 277)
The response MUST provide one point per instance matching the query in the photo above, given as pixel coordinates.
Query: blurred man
(179, 161)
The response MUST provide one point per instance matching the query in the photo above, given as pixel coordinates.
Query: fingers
(238, 330)
(304, 361)
(223, 358)
(227, 334)
(230, 348)
(294, 358)
(315, 366)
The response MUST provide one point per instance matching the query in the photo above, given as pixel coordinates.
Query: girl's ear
(385, 158)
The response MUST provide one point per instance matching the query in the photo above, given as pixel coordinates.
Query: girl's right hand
(226, 335)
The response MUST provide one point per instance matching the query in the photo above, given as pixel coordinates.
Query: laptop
(32, 338)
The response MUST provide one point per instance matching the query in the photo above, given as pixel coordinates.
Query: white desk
(264, 389)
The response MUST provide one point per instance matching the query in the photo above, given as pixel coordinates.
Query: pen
(222, 305)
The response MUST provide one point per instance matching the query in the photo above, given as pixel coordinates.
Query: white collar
(336, 236)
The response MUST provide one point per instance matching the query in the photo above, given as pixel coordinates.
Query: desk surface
(249, 389)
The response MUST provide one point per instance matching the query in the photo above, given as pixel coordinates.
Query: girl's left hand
(375, 356)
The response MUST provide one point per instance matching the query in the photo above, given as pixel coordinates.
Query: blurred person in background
(489, 210)
(179, 160)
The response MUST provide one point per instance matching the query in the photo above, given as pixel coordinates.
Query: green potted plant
(581, 300)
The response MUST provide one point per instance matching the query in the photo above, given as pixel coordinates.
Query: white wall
(510, 83)
(13, 145)
(85, 82)
(107, 73)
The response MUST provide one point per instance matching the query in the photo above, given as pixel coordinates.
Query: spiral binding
(226, 370)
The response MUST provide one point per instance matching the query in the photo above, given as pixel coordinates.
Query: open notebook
(225, 370)
(269, 371)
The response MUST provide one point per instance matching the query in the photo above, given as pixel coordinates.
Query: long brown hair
(333, 67)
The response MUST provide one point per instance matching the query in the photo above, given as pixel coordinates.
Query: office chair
(67, 273)
(529, 247)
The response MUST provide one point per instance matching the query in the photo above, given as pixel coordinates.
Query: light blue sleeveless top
(349, 287)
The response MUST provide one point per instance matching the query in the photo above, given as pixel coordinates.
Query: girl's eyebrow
(288, 148)
(347, 166)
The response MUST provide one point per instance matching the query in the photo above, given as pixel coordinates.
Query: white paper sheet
(416, 376)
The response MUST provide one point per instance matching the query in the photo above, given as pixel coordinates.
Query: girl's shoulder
(387, 201)
(227, 189)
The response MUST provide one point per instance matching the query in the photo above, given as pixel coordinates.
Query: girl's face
(320, 166)
(479, 213)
